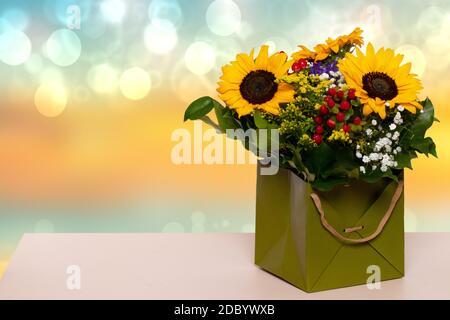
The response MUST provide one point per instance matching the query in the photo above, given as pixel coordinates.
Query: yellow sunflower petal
(247, 109)
(263, 58)
(270, 107)
(275, 64)
(225, 86)
(232, 74)
(246, 62)
(367, 110)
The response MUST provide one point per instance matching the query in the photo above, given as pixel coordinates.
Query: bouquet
(341, 113)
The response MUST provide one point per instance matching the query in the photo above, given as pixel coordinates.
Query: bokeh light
(34, 64)
(414, 55)
(168, 10)
(63, 47)
(15, 47)
(50, 99)
(223, 17)
(135, 83)
(200, 57)
(113, 10)
(72, 109)
(160, 37)
(16, 18)
(103, 78)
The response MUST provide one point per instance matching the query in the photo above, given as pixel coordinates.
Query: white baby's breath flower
(374, 122)
(396, 135)
(365, 159)
(392, 126)
(374, 167)
(399, 149)
(400, 108)
(373, 156)
(358, 155)
(384, 168)
(324, 76)
(362, 169)
(387, 104)
(369, 132)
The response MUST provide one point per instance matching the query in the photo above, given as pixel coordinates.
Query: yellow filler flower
(380, 80)
(248, 84)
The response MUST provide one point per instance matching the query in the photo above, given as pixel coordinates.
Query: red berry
(340, 117)
(317, 138)
(332, 91)
(357, 121)
(330, 103)
(331, 124)
(318, 119)
(296, 67)
(299, 65)
(345, 105)
(346, 127)
(323, 109)
(319, 129)
(340, 94)
(303, 63)
(351, 94)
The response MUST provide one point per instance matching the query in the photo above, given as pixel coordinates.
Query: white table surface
(194, 266)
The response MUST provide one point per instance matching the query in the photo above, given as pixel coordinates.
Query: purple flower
(318, 68)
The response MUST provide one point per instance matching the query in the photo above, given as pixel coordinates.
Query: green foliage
(199, 108)
(327, 164)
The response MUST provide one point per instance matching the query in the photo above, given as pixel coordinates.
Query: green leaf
(260, 122)
(355, 103)
(421, 124)
(374, 176)
(348, 114)
(334, 110)
(225, 117)
(403, 160)
(423, 121)
(425, 146)
(344, 165)
(199, 108)
(355, 128)
(320, 158)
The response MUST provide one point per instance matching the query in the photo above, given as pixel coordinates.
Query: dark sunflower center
(258, 86)
(379, 84)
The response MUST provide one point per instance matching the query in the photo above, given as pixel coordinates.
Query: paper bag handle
(372, 236)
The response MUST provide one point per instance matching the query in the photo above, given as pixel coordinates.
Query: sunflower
(248, 84)
(323, 50)
(380, 80)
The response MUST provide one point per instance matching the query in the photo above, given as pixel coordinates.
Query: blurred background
(91, 91)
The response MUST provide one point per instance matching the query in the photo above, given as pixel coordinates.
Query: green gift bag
(325, 240)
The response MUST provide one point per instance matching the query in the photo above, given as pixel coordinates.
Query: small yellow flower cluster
(306, 142)
(340, 135)
(292, 119)
(307, 86)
